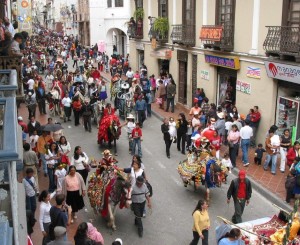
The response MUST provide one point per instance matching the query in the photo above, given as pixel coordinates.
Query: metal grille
(282, 40)
(183, 34)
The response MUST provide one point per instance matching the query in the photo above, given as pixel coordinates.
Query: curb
(260, 189)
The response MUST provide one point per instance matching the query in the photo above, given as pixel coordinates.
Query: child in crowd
(215, 144)
(172, 129)
(227, 162)
(202, 118)
(60, 174)
(33, 140)
(189, 134)
(259, 154)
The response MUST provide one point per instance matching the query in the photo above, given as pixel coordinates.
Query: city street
(170, 221)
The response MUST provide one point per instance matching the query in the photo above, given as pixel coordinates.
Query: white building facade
(108, 24)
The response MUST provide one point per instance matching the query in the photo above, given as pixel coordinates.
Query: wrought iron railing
(183, 34)
(227, 39)
(135, 30)
(282, 40)
(157, 36)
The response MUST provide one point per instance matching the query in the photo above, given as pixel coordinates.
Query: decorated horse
(202, 168)
(109, 128)
(106, 190)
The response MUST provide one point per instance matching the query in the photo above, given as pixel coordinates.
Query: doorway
(182, 90)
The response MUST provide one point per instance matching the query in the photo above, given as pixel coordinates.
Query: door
(182, 90)
(194, 76)
(188, 19)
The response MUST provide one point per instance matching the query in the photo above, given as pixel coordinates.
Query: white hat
(130, 116)
(29, 93)
(20, 118)
(220, 114)
(119, 240)
(59, 231)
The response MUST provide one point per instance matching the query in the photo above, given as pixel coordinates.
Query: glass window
(109, 4)
(139, 4)
(163, 8)
(294, 13)
(225, 12)
(119, 3)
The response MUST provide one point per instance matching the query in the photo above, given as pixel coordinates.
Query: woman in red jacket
(292, 153)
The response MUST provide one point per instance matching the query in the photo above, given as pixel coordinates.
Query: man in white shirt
(66, 101)
(30, 190)
(246, 133)
(30, 84)
(8, 26)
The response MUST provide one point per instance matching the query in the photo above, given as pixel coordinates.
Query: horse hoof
(114, 228)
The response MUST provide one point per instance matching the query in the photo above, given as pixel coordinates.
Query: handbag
(65, 159)
(231, 144)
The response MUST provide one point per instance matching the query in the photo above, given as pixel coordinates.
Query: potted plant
(161, 27)
(139, 13)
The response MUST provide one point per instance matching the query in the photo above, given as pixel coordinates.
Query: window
(188, 12)
(109, 4)
(138, 4)
(163, 8)
(119, 3)
(292, 9)
(225, 12)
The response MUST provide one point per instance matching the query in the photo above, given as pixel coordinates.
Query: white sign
(140, 46)
(284, 72)
(204, 74)
(243, 87)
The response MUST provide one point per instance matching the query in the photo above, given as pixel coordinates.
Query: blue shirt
(140, 105)
(226, 241)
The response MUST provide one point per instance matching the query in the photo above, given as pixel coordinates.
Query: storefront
(288, 96)
(226, 77)
(163, 56)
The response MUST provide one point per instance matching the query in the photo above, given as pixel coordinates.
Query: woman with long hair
(230, 237)
(74, 188)
(81, 161)
(52, 156)
(44, 217)
(81, 236)
(201, 223)
(181, 126)
(233, 142)
(64, 148)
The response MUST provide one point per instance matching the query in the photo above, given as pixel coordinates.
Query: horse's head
(123, 189)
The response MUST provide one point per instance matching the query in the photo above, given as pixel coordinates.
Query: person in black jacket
(240, 190)
(181, 132)
(167, 137)
(33, 125)
(41, 98)
(87, 112)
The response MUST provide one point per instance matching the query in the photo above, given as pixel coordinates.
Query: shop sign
(153, 43)
(140, 46)
(24, 16)
(164, 54)
(211, 33)
(283, 71)
(243, 87)
(204, 74)
(253, 72)
(227, 62)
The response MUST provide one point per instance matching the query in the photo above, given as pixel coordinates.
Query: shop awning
(164, 54)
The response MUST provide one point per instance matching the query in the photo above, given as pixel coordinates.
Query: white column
(255, 27)
(148, 14)
(174, 12)
(204, 12)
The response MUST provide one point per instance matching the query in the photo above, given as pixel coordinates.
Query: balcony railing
(135, 30)
(226, 38)
(282, 40)
(183, 34)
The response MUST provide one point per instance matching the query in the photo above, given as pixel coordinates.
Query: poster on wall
(243, 87)
(253, 72)
(24, 16)
(204, 74)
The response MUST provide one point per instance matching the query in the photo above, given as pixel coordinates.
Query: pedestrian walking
(167, 136)
(161, 94)
(240, 190)
(285, 144)
(259, 152)
(73, 186)
(87, 112)
(67, 103)
(140, 108)
(136, 140)
(182, 127)
(271, 153)
(52, 156)
(60, 234)
(80, 160)
(42, 145)
(255, 119)
(130, 125)
(77, 110)
(201, 223)
(41, 97)
(233, 143)
(171, 91)
(30, 102)
(30, 160)
(246, 133)
(140, 194)
(30, 190)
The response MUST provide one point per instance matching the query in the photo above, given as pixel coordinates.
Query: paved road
(171, 219)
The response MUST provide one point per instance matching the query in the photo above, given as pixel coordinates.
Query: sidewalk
(270, 186)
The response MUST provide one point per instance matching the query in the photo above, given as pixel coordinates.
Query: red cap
(242, 174)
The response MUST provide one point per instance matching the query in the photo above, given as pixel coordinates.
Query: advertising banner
(24, 16)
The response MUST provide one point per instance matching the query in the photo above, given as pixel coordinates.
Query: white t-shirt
(227, 163)
(33, 140)
(60, 174)
(228, 125)
(30, 84)
(129, 74)
(66, 102)
(44, 216)
(130, 127)
(29, 190)
(246, 132)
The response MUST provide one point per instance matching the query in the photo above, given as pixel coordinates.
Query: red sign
(211, 33)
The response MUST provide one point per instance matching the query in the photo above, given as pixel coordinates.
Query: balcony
(283, 41)
(135, 30)
(183, 34)
(218, 37)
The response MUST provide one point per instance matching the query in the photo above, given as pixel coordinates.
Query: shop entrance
(182, 90)
(141, 58)
(164, 66)
(226, 93)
